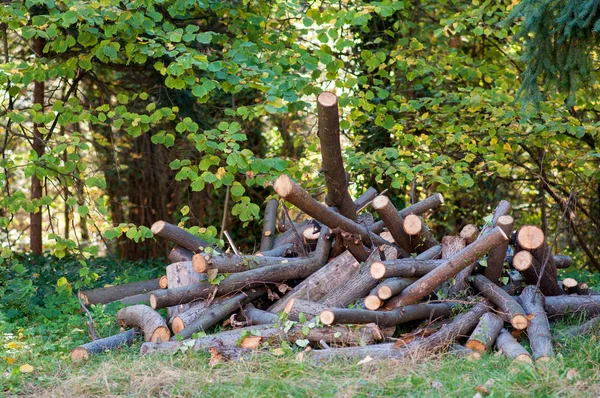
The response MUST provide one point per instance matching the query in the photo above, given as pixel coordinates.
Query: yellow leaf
(12, 345)
(27, 368)
(9, 360)
(507, 147)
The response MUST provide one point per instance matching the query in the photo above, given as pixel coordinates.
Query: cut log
(403, 268)
(219, 311)
(293, 235)
(590, 326)
(254, 316)
(584, 288)
(84, 351)
(311, 236)
(179, 254)
(150, 322)
(571, 286)
(293, 193)
(461, 351)
(516, 283)
(109, 294)
(451, 245)
(496, 256)
(393, 286)
(233, 263)
(163, 282)
(393, 221)
(412, 225)
(195, 309)
(469, 233)
(269, 223)
(279, 251)
(397, 316)
(511, 309)
(372, 301)
(428, 283)
(143, 298)
(310, 309)
(332, 168)
(534, 241)
(485, 333)
(460, 326)
(562, 262)
(418, 208)
(538, 330)
(179, 275)
(512, 350)
(180, 236)
(365, 199)
(522, 261)
(559, 306)
(530, 237)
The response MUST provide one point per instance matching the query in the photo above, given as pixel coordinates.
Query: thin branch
(90, 321)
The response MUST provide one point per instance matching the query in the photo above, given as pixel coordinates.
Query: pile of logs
(340, 283)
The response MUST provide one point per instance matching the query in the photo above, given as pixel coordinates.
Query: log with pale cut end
(562, 262)
(393, 221)
(593, 325)
(461, 351)
(538, 329)
(152, 325)
(469, 233)
(433, 201)
(233, 263)
(584, 288)
(143, 298)
(571, 286)
(180, 236)
(373, 302)
(311, 235)
(393, 286)
(105, 295)
(195, 309)
(451, 245)
(522, 260)
(485, 333)
(403, 268)
(512, 350)
(412, 224)
(332, 167)
(84, 351)
(279, 251)
(219, 311)
(428, 283)
(180, 275)
(511, 309)
(293, 193)
(293, 234)
(397, 316)
(179, 254)
(365, 198)
(559, 306)
(496, 256)
(530, 237)
(163, 282)
(269, 223)
(531, 268)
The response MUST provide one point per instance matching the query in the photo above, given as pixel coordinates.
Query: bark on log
(180, 236)
(590, 326)
(511, 309)
(279, 251)
(433, 201)
(561, 261)
(254, 316)
(394, 222)
(221, 310)
(496, 256)
(179, 254)
(332, 167)
(393, 286)
(538, 330)
(571, 286)
(84, 351)
(293, 235)
(549, 285)
(469, 233)
(460, 326)
(179, 275)
(310, 309)
(354, 245)
(105, 295)
(451, 245)
(516, 283)
(233, 263)
(365, 198)
(397, 316)
(143, 298)
(526, 261)
(150, 322)
(485, 333)
(293, 193)
(269, 223)
(512, 350)
(451, 267)
(532, 239)
(461, 351)
(403, 268)
(195, 309)
(559, 306)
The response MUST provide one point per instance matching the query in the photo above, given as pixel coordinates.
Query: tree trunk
(150, 322)
(180, 236)
(35, 226)
(99, 346)
(510, 348)
(109, 294)
(269, 223)
(512, 310)
(485, 333)
(538, 330)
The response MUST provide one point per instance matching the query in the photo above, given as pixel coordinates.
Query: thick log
(570, 286)
(195, 309)
(428, 283)
(496, 256)
(99, 346)
(485, 333)
(221, 310)
(459, 327)
(394, 222)
(538, 329)
(559, 306)
(105, 295)
(433, 201)
(269, 223)
(532, 239)
(180, 236)
(179, 254)
(393, 286)
(143, 298)
(310, 309)
(412, 225)
(354, 245)
(593, 325)
(397, 316)
(332, 167)
(279, 251)
(512, 350)
(403, 268)
(150, 322)
(233, 263)
(254, 316)
(293, 193)
(365, 198)
(530, 267)
(511, 309)
(179, 275)
(469, 233)
(451, 245)
(562, 262)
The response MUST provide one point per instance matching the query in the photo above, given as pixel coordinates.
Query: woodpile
(339, 283)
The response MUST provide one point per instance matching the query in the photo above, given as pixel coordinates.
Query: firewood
(310, 309)
(571, 286)
(562, 262)
(221, 310)
(179, 254)
(516, 283)
(451, 245)
(336, 177)
(496, 256)
(365, 198)
(292, 235)
(354, 245)
(195, 309)
(311, 236)
(372, 301)
(232, 263)
(538, 329)
(393, 286)
(293, 193)
(180, 236)
(163, 282)
(523, 260)
(394, 222)
(459, 327)
(412, 225)
(269, 222)
(142, 298)
(532, 239)
(433, 201)
(84, 351)
(105, 295)
(428, 283)
(279, 251)
(512, 350)
(590, 326)
(254, 316)
(397, 316)
(403, 267)
(485, 333)
(150, 322)
(584, 289)
(461, 351)
(469, 233)
(559, 306)
(179, 275)
(512, 310)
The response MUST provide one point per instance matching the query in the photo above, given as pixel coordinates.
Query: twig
(233, 247)
(90, 321)
(300, 240)
(224, 212)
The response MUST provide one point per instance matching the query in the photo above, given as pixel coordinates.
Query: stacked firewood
(340, 283)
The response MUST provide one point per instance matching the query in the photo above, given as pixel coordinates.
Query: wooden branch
(269, 223)
(469, 233)
(84, 351)
(451, 267)
(355, 246)
(231, 263)
(336, 177)
(179, 275)
(461, 351)
(451, 245)
(418, 208)
(516, 283)
(310, 309)
(559, 306)
(279, 251)
(496, 256)
(538, 330)
(412, 225)
(397, 316)
(394, 222)
(195, 309)
(365, 199)
(179, 254)
(109, 294)
(254, 316)
(403, 268)
(530, 266)
(512, 350)
(562, 262)
(152, 325)
(571, 286)
(511, 309)
(393, 286)
(290, 236)
(485, 333)
(180, 236)
(590, 326)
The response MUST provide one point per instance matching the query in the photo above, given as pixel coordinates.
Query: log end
(522, 260)
(523, 358)
(569, 283)
(380, 202)
(199, 263)
(469, 233)
(177, 325)
(160, 335)
(377, 270)
(476, 346)
(327, 317)
(163, 282)
(310, 234)
(283, 185)
(79, 354)
(153, 301)
(384, 292)
(530, 237)
(519, 322)
(412, 224)
(440, 198)
(83, 298)
(327, 99)
(505, 221)
(157, 227)
(373, 303)
(544, 358)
